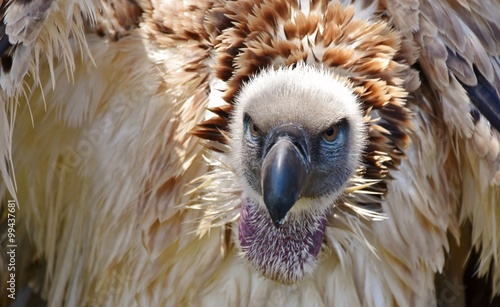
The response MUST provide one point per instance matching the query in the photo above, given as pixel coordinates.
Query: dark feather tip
(4, 44)
(486, 99)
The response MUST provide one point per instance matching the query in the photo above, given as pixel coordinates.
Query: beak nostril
(300, 148)
(293, 133)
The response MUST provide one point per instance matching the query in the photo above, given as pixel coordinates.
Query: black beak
(284, 170)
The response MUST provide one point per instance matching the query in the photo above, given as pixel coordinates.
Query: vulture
(250, 152)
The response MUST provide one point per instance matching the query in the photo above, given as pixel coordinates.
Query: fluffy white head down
(311, 96)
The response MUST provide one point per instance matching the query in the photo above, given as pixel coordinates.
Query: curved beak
(284, 171)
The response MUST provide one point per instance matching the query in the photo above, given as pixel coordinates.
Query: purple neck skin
(286, 254)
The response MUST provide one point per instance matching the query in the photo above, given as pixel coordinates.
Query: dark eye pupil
(330, 132)
(254, 130)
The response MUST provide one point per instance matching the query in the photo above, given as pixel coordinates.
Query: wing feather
(459, 43)
(462, 39)
(40, 27)
(485, 97)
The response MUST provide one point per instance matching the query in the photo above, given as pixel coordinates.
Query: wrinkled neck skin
(287, 254)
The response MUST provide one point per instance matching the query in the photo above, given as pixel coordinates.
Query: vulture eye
(254, 130)
(331, 133)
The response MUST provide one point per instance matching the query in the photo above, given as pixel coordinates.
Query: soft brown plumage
(116, 134)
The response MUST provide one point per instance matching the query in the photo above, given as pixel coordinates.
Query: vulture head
(313, 110)
(298, 135)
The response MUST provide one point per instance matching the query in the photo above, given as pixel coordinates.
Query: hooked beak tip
(278, 223)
